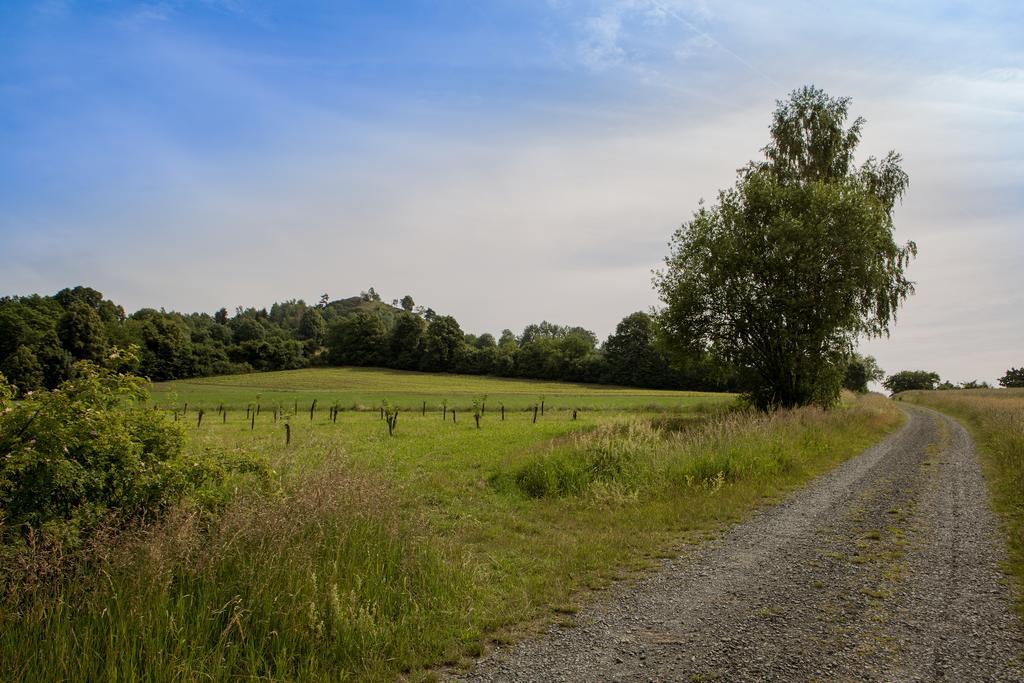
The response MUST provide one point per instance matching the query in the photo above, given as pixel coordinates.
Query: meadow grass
(325, 580)
(379, 556)
(996, 419)
(365, 388)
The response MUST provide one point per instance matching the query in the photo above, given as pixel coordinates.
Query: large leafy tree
(81, 332)
(312, 327)
(405, 344)
(443, 344)
(632, 355)
(108, 311)
(166, 346)
(861, 371)
(357, 339)
(795, 262)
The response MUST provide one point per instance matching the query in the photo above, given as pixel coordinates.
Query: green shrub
(71, 457)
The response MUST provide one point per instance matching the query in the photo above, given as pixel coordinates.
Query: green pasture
(366, 388)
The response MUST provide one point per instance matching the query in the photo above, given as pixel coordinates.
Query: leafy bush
(71, 457)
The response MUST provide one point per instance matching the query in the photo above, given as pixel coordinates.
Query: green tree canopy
(108, 311)
(82, 333)
(442, 345)
(312, 326)
(909, 380)
(795, 261)
(405, 344)
(357, 339)
(166, 347)
(632, 355)
(1014, 378)
(23, 370)
(860, 371)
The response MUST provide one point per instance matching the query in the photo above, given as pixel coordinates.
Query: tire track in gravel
(884, 569)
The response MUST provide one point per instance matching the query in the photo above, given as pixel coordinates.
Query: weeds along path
(885, 569)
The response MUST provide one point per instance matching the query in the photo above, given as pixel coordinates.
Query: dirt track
(885, 569)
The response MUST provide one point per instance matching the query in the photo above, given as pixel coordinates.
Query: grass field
(368, 556)
(365, 388)
(996, 419)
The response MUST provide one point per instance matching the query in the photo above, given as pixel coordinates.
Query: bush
(72, 457)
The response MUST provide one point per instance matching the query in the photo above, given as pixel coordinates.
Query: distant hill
(357, 304)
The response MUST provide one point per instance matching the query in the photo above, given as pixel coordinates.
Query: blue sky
(504, 162)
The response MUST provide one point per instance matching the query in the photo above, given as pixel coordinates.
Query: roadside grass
(377, 556)
(364, 388)
(996, 419)
(324, 580)
(637, 457)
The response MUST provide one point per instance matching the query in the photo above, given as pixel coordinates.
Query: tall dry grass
(996, 419)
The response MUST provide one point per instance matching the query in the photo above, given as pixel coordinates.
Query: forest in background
(42, 336)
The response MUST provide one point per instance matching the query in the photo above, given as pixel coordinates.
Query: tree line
(925, 380)
(41, 337)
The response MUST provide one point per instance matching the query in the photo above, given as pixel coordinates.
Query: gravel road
(886, 569)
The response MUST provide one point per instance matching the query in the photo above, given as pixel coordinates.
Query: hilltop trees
(40, 338)
(795, 261)
(166, 348)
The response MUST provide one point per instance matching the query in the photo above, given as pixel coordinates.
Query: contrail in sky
(704, 34)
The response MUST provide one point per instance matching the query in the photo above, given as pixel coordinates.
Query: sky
(504, 162)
